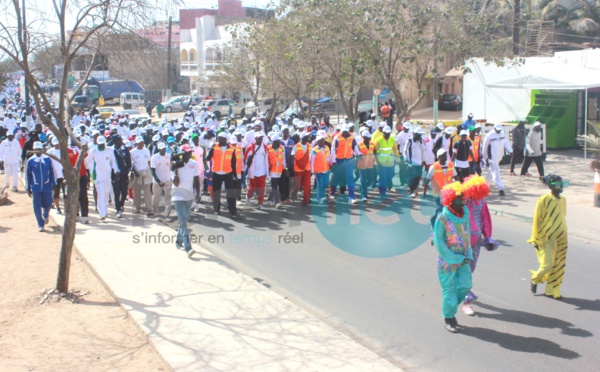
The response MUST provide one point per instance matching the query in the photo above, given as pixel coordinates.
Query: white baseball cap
(365, 134)
(387, 129)
(441, 152)
(537, 124)
(276, 137)
(37, 145)
(464, 133)
(225, 135)
(139, 139)
(498, 126)
(55, 141)
(440, 126)
(448, 130)
(418, 130)
(161, 146)
(258, 135)
(320, 136)
(382, 124)
(101, 140)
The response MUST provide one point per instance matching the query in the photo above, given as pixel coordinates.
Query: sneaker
(86, 220)
(150, 214)
(468, 310)
(364, 199)
(353, 201)
(119, 214)
(278, 206)
(449, 325)
(260, 207)
(190, 253)
(501, 193)
(179, 246)
(15, 189)
(533, 288)
(331, 197)
(102, 218)
(40, 229)
(247, 200)
(269, 203)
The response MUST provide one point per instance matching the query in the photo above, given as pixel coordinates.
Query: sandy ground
(92, 335)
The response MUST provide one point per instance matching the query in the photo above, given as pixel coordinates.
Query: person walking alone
(40, 182)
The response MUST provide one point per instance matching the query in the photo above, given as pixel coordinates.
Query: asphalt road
(393, 304)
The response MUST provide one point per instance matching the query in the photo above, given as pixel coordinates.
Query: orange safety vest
(476, 142)
(276, 160)
(367, 161)
(238, 160)
(300, 155)
(222, 160)
(321, 162)
(439, 177)
(343, 149)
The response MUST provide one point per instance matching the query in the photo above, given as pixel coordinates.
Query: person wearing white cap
(257, 164)
(320, 163)
(519, 133)
(463, 150)
(10, 156)
(475, 161)
(429, 142)
(239, 159)
(277, 166)
(40, 182)
(121, 185)
(58, 173)
(414, 152)
(288, 145)
(440, 174)
(199, 152)
(386, 154)
(533, 151)
(366, 165)
(344, 148)
(224, 164)
(377, 134)
(401, 138)
(101, 162)
(301, 160)
(494, 145)
(445, 142)
(258, 128)
(141, 176)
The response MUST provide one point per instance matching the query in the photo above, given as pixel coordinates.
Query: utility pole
(25, 53)
(516, 27)
(169, 61)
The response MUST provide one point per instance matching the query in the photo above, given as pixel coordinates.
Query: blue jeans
(322, 184)
(42, 201)
(366, 180)
(183, 208)
(344, 170)
(385, 176)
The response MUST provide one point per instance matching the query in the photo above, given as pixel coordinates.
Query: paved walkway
(522, 193)
(202, 314)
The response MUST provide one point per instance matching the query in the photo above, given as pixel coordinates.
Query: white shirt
(185, 190)
(203, 115)
(10, 124)
(140, 159)
(102, 163)
(414, 152)
(260, 162)
(160, 164)
(199, 155)
(56, 165)
(402, 138)
(10, 152)
(498, 143)
(429, 155)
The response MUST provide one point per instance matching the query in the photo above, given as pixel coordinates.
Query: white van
(131, 100)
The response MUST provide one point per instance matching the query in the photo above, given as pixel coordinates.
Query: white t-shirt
(185, 190)
(140, 159)
(160, 164)
(56, 165)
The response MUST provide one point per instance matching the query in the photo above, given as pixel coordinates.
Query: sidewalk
(522, 193)
(202, 314)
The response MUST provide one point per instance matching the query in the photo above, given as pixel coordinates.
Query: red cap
(186, 148)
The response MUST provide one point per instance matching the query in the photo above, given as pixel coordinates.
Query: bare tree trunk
(516, 27)
(70, 226)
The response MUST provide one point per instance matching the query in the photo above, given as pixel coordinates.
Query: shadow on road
(533, 320)
(519, 343)
(582, 303)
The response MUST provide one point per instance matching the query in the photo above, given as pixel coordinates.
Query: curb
(513, 216)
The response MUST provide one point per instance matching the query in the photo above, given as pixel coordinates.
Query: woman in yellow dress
(549, 237)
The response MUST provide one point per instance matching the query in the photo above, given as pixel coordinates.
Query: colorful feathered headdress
(450, 192)
(476, 188)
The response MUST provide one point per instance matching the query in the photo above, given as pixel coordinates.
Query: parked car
(82, 102)
(130, 99)
(178, 103)
(294, 108)
(106, 112)
(452, 102)
(220, 107)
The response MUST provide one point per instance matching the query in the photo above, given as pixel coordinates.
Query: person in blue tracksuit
(40, 181)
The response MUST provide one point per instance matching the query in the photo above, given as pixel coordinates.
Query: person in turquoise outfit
(451, 238)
